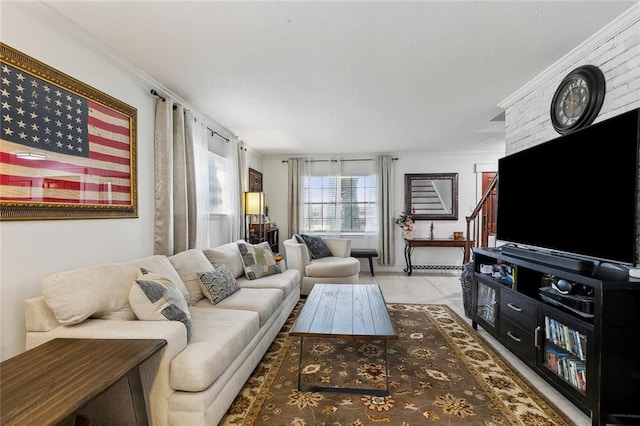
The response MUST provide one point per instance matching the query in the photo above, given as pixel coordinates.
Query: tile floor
(443, 287)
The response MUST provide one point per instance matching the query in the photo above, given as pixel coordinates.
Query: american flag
(58, 147)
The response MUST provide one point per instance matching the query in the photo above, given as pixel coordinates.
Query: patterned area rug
(440, 373)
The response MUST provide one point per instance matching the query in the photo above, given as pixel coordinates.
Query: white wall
(31, 250)
(275, 178)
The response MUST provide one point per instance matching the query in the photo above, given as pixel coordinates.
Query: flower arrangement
(405, 222)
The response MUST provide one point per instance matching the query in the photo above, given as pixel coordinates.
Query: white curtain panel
(180, 172)
(334, 171)
(163, 173)
(243, 186)
(201, 179)
(296, 172)
(386, 229)
(236, 221)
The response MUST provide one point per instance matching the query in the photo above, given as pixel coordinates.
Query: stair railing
(479, 221)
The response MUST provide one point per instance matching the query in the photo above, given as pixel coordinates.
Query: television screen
(576, 194)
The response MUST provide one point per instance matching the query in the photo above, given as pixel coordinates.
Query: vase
(407, 234)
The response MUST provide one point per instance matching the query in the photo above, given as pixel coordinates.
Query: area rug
(440, 372)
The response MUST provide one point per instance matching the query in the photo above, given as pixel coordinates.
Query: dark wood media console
(582, 343)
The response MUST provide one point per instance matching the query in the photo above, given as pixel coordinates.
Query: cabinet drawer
(517, 340)
(519, 309)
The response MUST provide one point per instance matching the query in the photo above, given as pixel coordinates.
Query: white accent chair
(340, 268)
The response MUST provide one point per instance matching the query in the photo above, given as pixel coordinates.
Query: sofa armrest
(340, 247)
(296, 255)
(38, 316)
(173, 332)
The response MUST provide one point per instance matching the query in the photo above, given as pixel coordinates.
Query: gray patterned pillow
(218, 284)
(156, 298)
(316, 245)
(258, 260)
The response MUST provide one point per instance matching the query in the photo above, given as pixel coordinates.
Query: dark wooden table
(344, 311)
(365, 254)
(47, 384)
(410, 243)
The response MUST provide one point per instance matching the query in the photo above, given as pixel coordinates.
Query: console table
(410, 243)
(47, 384)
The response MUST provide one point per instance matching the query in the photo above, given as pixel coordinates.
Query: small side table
(365, 254)
(47, 384)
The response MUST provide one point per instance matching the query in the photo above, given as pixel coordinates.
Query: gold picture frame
(67, 150)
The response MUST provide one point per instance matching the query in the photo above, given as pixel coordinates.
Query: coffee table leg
(300, 366)
(386, 364)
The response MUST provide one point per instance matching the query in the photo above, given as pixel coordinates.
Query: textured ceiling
(345, 77)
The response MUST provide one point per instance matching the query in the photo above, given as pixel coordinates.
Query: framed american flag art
(67, 150)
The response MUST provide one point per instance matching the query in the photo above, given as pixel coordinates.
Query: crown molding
(64, 24)
(615, 27)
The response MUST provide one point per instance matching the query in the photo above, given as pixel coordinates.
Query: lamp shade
(253, 202)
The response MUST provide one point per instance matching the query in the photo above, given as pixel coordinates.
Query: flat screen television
(575, 195)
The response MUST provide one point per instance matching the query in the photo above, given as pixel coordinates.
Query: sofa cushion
(154, 297)
(219, 336)
(101, 291)
(218, 284)
(258, 260)
(316, 245)
(333, 267)
(287, 281)
(226, 254)
(264, 301)
(190, 264)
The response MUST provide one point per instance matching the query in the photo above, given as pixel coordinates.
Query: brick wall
(615, 50)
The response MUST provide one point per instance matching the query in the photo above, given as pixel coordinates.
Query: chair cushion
(333, 267)
(316, 245)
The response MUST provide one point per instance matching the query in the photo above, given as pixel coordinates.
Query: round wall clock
(578, 99)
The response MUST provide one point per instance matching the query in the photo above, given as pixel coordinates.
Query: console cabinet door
(566, 354)
(485, 304)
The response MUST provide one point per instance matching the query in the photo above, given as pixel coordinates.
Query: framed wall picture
(67, 150)
(255, 181)
(431, 196)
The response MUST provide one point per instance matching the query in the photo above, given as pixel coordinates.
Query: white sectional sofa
(191, 382)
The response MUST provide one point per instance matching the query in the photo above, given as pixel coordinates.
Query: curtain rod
(155, 93)
(214, 133)
(335, 161)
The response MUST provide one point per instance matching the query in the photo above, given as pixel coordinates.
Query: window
(340, 200)
(218, 181)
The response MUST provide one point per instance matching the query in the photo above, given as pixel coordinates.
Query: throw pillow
(218, 284)
(156, 298)
(258, 260)
(316, 245)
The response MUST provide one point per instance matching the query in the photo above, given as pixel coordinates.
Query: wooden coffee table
(353, 311)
